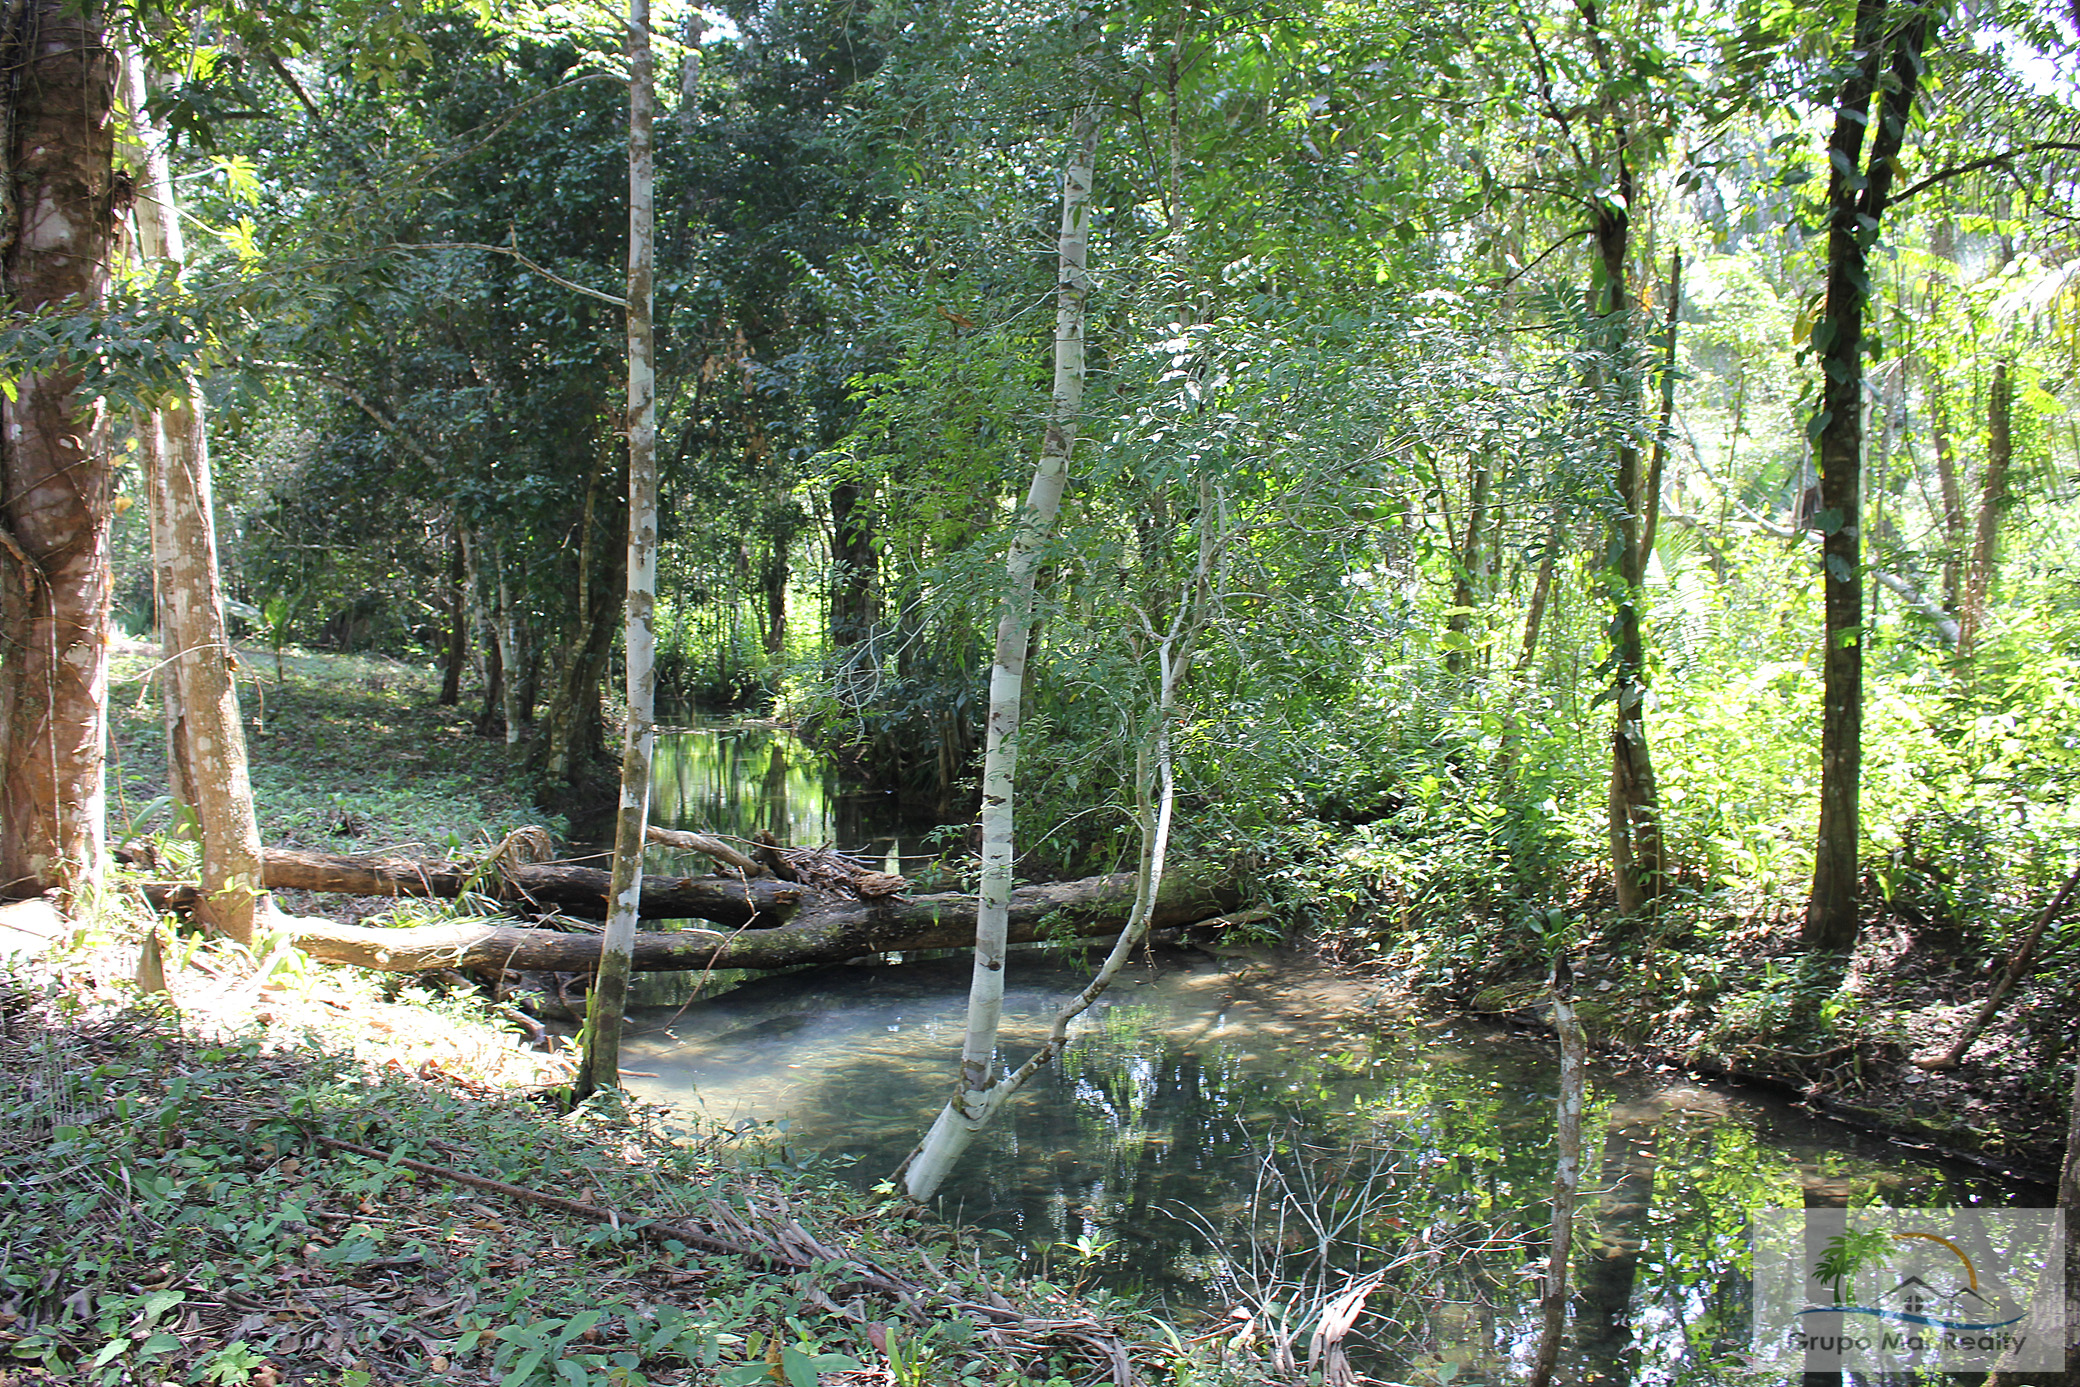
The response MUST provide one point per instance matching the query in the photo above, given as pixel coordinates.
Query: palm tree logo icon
(1847, 1253)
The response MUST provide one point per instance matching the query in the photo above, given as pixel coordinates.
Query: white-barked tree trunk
(176, 449)
(609, 996)
(976, 1091)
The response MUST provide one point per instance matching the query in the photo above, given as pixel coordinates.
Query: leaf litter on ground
(279, 1174)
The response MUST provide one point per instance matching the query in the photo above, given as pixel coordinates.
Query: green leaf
(802, 1368)
(524, 1370)
(577, 1326)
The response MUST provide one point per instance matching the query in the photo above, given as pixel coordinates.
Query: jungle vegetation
(1606, 458)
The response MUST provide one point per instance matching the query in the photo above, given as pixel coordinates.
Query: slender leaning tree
(211, 743)
(609, 996)
(976, 1094)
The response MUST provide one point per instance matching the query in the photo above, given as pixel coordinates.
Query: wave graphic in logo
(1908, 1317)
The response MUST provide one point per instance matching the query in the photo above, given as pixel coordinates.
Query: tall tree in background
(1884, 65)
(56, 498)
(1993, 500)
(609, 996)
(1611, 102)
(976, 1091)
(212, 750)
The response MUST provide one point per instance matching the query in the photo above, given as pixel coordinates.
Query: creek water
(1224, 1132)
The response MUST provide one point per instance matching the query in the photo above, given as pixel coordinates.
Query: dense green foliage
(1381, 316)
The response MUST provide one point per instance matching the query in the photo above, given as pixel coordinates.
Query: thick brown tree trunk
(56, 497)
(1858, 189)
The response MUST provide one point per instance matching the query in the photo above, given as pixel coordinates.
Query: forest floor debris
(204, 1192)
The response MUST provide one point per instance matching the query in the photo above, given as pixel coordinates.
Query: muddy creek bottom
(1224, 1139)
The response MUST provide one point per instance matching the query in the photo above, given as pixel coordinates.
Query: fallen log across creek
(759, 902)
(768, 923)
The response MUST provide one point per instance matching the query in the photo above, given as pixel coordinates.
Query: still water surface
(743, 778)
(1215, 1122)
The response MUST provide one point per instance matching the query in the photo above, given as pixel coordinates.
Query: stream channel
(1216, 1117)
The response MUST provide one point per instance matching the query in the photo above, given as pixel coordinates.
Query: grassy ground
(185, 1205)
(276, 1172)
(352, 755)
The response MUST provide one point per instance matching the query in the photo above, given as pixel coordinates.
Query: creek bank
(1896, 1125)
(1846, 1056)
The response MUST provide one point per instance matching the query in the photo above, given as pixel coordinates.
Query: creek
(1218, 1121)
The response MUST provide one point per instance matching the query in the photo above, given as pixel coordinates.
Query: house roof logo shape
(1915, 1286)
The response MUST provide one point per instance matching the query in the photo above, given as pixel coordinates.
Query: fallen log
(821, 867)
(757, 903)
(704, 843)
(820, 931)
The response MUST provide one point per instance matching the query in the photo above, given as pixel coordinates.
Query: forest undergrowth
(1725, 988)
(354, 756)
(351, 1195)
(280, 1172)
(281, 1175)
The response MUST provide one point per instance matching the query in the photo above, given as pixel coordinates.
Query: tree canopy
(1384, 306)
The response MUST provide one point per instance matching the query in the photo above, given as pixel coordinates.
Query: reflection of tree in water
(1609, 1265)
(1209, 1178)
(739, 780)
(1431, 1155)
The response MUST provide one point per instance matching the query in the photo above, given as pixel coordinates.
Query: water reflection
(1205, 1125)
(1217, 1138)
(741, 779)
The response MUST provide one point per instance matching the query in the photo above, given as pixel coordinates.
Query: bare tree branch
(547, 274)
(1990, 161)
